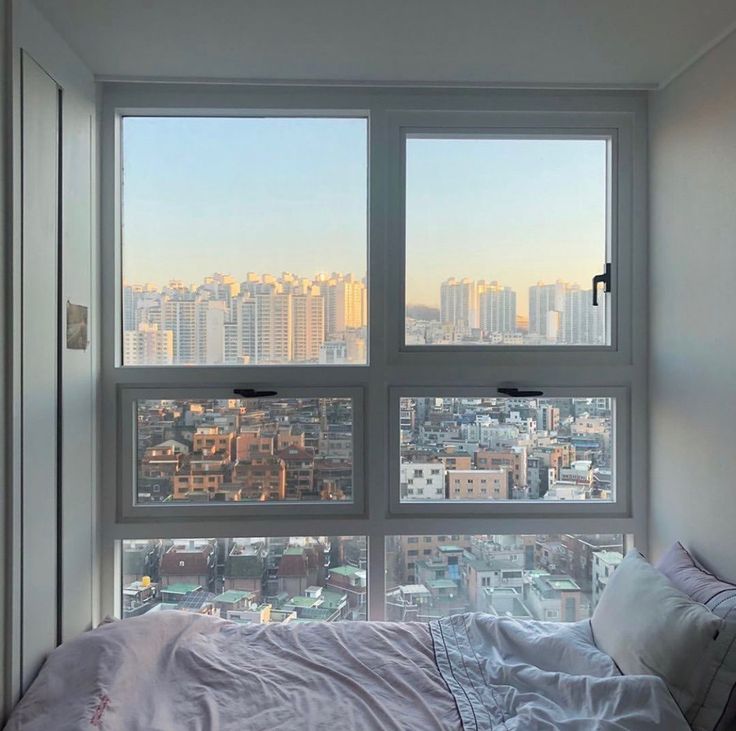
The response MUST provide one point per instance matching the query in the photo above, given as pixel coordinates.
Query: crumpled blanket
(512, 675)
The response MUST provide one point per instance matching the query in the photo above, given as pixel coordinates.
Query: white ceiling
(566, 42)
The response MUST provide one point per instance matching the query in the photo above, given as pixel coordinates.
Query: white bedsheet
(509, 675)
(173, 671)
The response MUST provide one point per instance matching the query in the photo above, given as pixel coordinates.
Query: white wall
(52, 532)
(693, 322)
(4, 421)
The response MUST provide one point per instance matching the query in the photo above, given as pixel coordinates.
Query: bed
(175, 671)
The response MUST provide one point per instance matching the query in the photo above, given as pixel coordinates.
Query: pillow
(718, 709)
(649, 627)
(690, 577)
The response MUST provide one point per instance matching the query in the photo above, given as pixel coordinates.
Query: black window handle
(253, 393)
(604, 278)
(518, 393)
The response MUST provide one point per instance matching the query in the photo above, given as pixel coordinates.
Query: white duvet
(173, 671)
(543, 676)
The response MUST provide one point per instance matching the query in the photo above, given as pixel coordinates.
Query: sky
(233, 195)
(514, 211)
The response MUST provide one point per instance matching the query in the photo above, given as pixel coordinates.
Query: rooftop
(302, 601)
(232, 597)
(180, 588)
(346, 571)
(611, 557)
(442, 584)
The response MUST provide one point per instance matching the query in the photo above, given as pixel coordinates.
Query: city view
(485, 313)
(268, 320)
(245, 241)
(263, 320)
(253, 450)
(553, 577)
(480, 448)
(472, 448)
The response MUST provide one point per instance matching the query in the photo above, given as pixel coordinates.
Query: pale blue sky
(269, 195)
(235, 195)
(515, 211)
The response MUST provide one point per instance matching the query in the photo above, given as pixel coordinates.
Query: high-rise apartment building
(497, 308)
(147, 345)
(583, 324)
(274, 328)
(459, 303)
(543, 299)
(345, 303)
(240, 332)
(308, 329)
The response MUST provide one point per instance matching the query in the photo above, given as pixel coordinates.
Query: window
(503, 239)
(550, 449)
(522, 576)
(244, 240)
(221, 451)
(248, 580)
(290, 349)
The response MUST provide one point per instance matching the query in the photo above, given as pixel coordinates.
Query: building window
(317, 304)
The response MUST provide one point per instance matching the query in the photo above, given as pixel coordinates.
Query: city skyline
(289, 319)
(290, 194)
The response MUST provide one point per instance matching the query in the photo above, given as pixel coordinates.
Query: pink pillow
(689, 577)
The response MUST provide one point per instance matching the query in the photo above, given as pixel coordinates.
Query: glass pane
(244, 241)
(221, 451)
(485, 448)
(503, 238)
(248, 580)
(556, 578)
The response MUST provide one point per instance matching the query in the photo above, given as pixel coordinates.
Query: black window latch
(519, 393)
(253, 393)
(604, 278)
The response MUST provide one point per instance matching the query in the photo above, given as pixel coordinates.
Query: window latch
(253, 393)
(519, 393)
(605, 279)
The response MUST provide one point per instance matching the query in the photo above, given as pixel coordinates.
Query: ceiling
(525, 42)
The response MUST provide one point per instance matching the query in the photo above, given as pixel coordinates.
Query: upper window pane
(244, 241)
(503, 238)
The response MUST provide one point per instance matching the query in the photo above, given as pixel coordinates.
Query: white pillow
(649, 627)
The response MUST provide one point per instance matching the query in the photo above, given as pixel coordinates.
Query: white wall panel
(693, 330)
(40, 243)
(51, 539)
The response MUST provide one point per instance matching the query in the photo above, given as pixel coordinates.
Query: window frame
(617, 508)
(617, 129)
(391, 369)
(129, 510)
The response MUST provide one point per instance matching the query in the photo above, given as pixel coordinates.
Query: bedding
(174, 671)
(718, 709)
(647, 625)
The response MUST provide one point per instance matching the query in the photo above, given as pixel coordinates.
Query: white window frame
(130, 511)
(621, 468)
(393, 369)
(616, 130)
